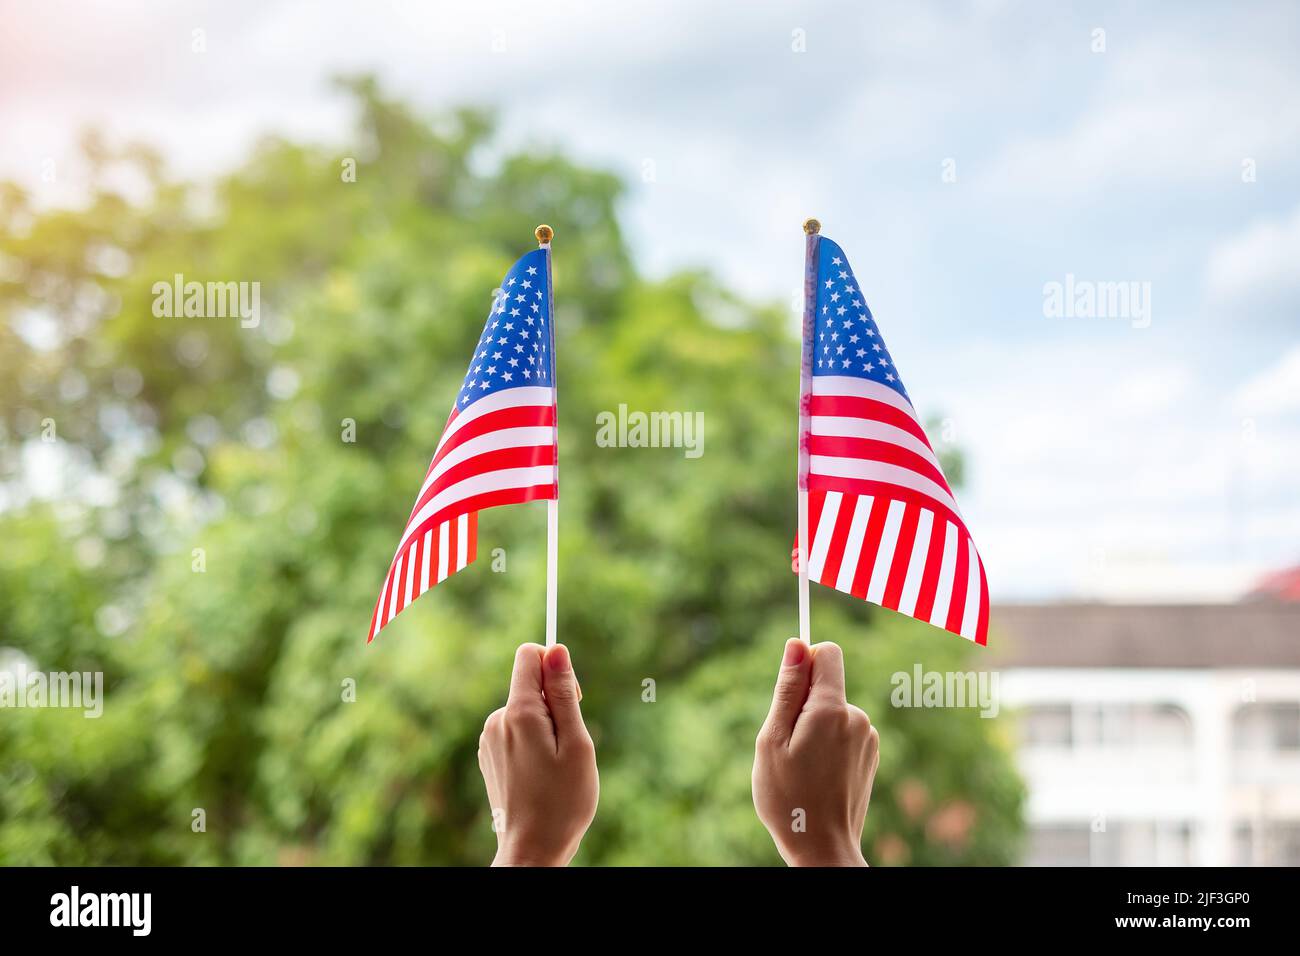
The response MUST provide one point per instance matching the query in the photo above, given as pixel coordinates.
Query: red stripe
(472, 553)
(490, 499)
(434, 545)
(902, 557)
(863, 486)
(452, 531)
(525, 457)
(522, 416)
(403, 560)
(412, 573)
(933, 560)
(815, 504)
(982, 627)
(869, 449)
(960, 581)
(839, 538)
(374, 618)
(416, 591)
(385, 596)
(815, 501)
(845, 406)
(870, 545)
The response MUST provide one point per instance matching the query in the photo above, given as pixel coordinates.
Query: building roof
(1252, 634)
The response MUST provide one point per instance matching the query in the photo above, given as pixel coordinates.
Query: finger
(791, 689)
(562, 693)
(526, 680)
(828, 673)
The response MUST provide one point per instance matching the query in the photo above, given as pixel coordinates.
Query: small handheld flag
(877, 518)
(499, 445)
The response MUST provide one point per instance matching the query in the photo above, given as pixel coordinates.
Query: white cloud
(1116, 473)
(1274, 390)
(1154, 116)
(1258, 269)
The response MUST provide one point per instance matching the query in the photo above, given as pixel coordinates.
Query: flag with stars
(499, 444)
(883, 523)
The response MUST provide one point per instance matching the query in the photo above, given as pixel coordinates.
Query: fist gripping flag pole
(497, 448)
(877, 518)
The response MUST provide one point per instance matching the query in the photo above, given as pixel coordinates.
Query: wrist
(533, 853)
(525, 858)
(848, 853)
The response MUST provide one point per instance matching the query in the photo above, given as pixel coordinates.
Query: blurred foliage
(225, 667)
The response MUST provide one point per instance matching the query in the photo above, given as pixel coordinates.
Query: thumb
(791, 688)
(562, 694)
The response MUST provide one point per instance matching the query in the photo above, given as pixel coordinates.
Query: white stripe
(885, 555)
(822, 537)
(523, 437)
(970, 617)
(916, 565)
(506, 398)
(831, 467)
(861, 388)
(500, 480)
(392, 597)
(837, 426)
(462, 541)
(444, 530)
(426, 560)
(943, 590)
(853, 545)
(410, 574)
(383, 607)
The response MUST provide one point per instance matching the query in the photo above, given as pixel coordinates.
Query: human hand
(815, 761)
(539, 763)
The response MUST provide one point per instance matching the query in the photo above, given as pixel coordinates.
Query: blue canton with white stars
(515, 348)
(845, 338)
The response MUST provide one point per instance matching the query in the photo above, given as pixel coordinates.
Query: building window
(1144, 843)
(1110, 725)
(1059, 845)
(1047, 726)
(1267, 727)
(1121, 843)
(1267, 844)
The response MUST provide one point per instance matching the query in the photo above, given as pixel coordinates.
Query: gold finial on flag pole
(544, 234)
(810, 227)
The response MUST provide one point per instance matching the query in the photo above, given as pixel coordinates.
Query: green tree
(204, 530)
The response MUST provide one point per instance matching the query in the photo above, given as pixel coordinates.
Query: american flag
(499, 444)
(882, 520)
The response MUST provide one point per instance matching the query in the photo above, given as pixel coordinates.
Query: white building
(1156, 735)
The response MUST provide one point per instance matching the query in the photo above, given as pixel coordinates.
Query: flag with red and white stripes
(883, 523)
(498, 447)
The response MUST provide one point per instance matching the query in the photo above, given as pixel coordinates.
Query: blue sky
(1107, 460)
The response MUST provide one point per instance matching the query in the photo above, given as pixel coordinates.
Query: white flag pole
(544, 235)
(811, 228)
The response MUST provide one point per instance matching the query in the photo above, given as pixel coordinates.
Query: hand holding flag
(538, 762)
